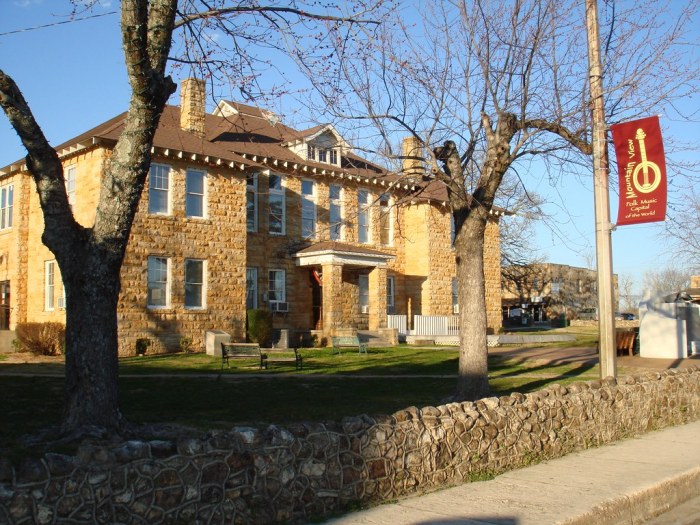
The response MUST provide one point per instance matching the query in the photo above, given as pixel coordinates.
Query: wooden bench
(348, 342)
(284, 355)
(624, 342)
(242, 351)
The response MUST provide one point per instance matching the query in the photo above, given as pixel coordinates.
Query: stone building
(548, 290)
(240, 211)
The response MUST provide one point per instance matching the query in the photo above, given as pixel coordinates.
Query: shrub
(259, 323)
(41, 338)
(142, 344)
(186, 344)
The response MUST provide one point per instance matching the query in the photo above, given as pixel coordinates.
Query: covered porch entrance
(349, 286)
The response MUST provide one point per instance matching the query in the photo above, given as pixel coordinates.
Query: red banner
(641, 166)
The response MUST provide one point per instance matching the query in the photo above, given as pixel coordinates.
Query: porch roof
(331, 252)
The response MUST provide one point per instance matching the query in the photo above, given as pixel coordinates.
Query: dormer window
(321, 154)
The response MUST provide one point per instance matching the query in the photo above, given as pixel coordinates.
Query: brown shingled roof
(246, 137)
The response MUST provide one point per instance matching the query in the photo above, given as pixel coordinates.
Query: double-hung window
(158, 282)
(363, 216)
(276, 286)
(276, 200)
(159, 190)
(69, 176)
(252, 202)
(333, 156)
(310, 152)
(308, 209)
(386, 234)
(195, 283)
(455, 297)
(6, 206)
(49, 285)
(390, 294)
(335, 212)
(195, 187)
(322, 155)
(251, 288)
(363, 291)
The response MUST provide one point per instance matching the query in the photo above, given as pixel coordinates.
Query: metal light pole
(603, 227)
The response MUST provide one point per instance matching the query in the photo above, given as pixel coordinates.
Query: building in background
(544, 291)
(240, 211)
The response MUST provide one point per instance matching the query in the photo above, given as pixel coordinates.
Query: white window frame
(202, 285)
(251, 288)
(333, 156)
(280, 295)
(386, 213)
(69, 175)
(152, 188)
(390, 294)
(308, 209)
(323, 155)
(335, 203)
(252, 201)
(364, 217)
(202, 197)
(49, 286)
(7, 198)
(310, 152)
(277, 193)
(363, 293)
(166, 286)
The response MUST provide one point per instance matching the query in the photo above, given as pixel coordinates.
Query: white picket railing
(435, 325)
(400, 322)
(425, 324)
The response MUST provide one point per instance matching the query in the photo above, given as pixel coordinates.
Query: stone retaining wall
(315, 469)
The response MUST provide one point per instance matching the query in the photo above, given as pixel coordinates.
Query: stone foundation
(311, 470)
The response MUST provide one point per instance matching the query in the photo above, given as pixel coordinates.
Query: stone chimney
(192, 106)
(413, 169)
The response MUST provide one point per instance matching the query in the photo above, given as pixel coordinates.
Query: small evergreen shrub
(259, 323)
(41, 338)
(142, 344)
(186, 344)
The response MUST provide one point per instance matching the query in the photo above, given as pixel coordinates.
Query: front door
(316, 299)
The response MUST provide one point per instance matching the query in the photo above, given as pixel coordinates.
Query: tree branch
(582, 145)
(213, 13)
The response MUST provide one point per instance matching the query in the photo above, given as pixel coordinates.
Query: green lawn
(191, 389)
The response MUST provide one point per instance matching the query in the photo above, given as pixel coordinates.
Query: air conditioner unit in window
(364, 309)
(455, 308)
(61, 302)
(278, 306)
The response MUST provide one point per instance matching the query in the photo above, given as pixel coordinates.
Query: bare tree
(682, 232)
(629, 300)
(90, 258)
(666, 280)
(486, 84)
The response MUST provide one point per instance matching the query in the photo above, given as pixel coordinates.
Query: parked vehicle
(588, 314)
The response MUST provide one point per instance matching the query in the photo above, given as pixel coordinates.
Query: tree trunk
(473, 381)
(92, 370)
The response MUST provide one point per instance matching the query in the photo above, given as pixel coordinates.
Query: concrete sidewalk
(627, 482)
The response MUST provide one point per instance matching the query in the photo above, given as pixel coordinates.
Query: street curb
(645, 504)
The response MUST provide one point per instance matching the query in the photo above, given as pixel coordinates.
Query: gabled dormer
(322, 144)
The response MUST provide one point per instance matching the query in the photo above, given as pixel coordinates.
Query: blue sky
(72, 75)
